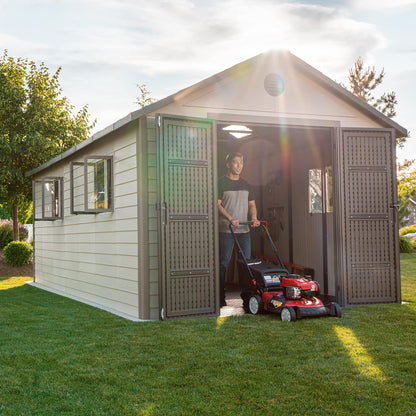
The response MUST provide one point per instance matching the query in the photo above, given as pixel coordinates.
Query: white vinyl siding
(94, 257)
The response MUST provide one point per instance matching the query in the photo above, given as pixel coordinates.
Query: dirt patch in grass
(9, 271)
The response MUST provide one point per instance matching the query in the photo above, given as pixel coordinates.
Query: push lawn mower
(269, 287)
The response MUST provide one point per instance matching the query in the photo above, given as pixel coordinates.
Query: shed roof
(299, 64)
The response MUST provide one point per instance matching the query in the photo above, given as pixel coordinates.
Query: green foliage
(406, 188)
(408, 230)
(6, 232)
(25, 212)
(36, 124)
(405, 245)
(18, 253)
(6, 235)
(5, 212)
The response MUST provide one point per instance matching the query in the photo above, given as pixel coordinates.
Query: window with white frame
(48, 198)
(92, 185)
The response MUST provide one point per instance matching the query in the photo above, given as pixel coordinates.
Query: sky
(107, 47)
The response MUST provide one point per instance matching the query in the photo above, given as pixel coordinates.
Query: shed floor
(234, 303)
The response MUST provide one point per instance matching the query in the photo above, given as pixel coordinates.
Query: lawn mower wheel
(255, 304)
(288, 314)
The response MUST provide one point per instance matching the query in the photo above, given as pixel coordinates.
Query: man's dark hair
(232, 155)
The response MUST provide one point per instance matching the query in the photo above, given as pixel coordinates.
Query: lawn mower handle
(232, 228)
(263, 224)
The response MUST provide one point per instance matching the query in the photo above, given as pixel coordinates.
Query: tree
(363, 82)
(25, 212)
(144, 97)
(406, 188)
(36, 124)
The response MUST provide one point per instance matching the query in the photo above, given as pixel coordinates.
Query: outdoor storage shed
(127, 220)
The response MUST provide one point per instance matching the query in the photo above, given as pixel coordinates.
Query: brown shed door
(186, 150)
(371, 249)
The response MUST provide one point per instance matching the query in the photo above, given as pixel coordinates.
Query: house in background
(127, 219)
(411, 219)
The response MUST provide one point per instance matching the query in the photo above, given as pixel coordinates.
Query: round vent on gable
(273, 84)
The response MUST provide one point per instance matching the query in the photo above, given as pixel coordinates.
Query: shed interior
(290, 169)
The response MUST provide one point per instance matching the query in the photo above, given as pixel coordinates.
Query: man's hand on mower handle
(235, 223)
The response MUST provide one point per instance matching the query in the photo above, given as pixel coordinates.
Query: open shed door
(188, 217)
(371, 222)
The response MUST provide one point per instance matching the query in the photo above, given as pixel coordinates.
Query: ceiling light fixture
(238, 131)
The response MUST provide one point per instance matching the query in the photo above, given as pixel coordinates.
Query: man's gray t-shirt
(234, 196)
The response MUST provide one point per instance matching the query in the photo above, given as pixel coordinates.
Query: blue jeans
(226, 249)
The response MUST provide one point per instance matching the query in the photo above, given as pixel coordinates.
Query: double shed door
(186, 150)
(189, 249)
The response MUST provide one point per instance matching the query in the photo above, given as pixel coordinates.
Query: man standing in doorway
(235, 203)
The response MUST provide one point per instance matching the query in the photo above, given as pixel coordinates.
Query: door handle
(164, 213)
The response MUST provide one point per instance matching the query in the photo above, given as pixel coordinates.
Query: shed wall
(93, 257)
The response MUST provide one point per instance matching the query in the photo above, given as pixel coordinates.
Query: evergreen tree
(144, 97)
(363, 82)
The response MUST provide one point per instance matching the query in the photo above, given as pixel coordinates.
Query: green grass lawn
(61, 357)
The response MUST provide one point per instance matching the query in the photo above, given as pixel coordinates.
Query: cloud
(184, 36)
(104, 44)
(382, 4)
(24, 46)
(160, 37)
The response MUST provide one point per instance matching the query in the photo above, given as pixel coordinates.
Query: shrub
(18, 253)
(6, 232)
(408, 230)
(405, 245)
